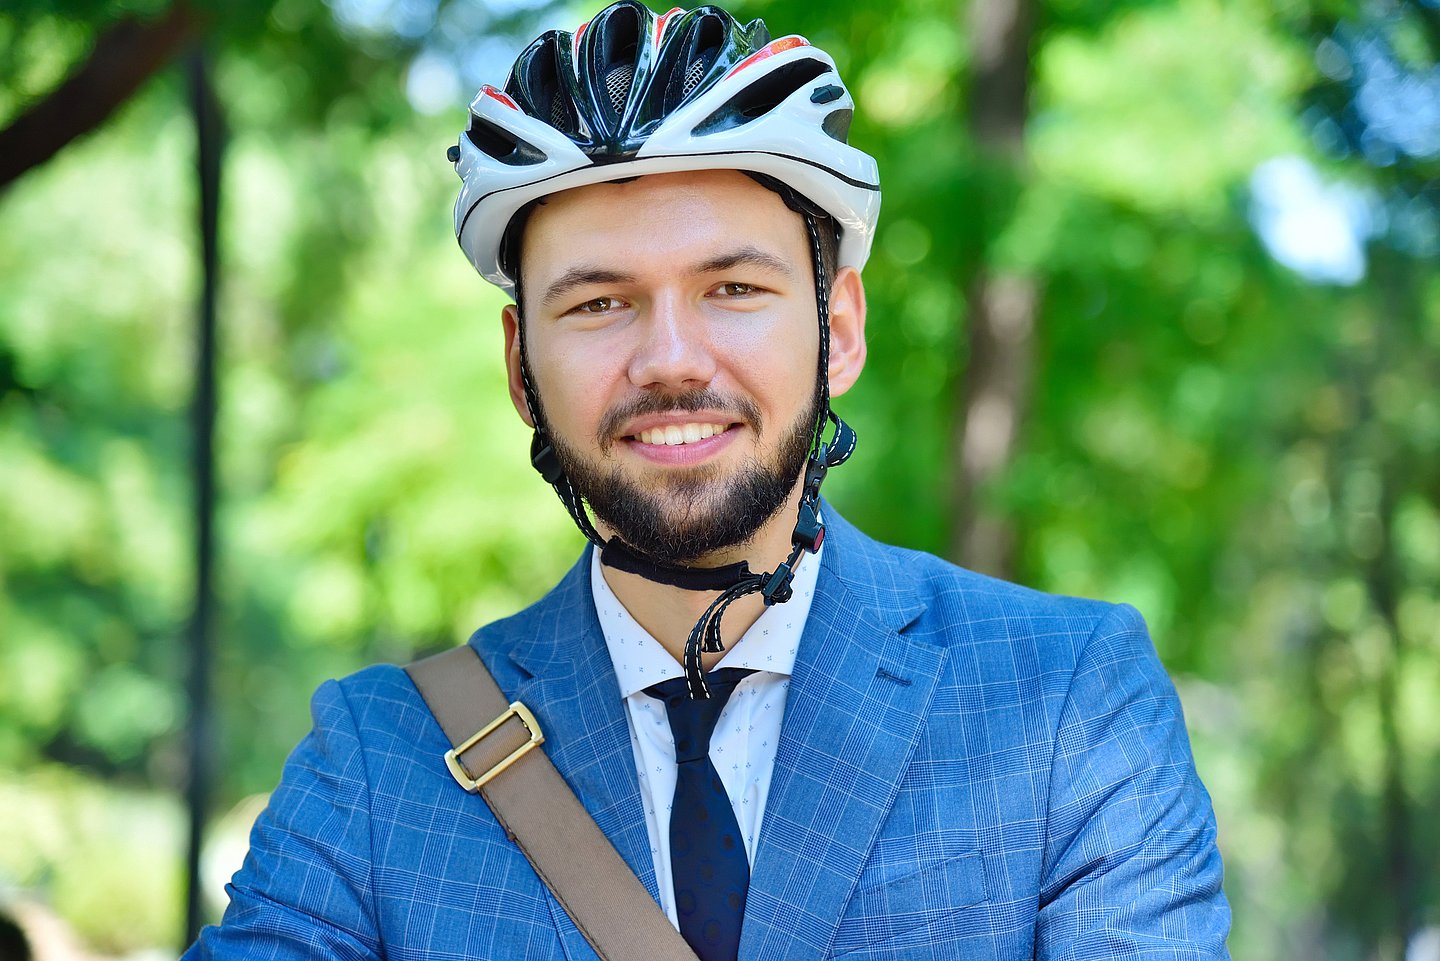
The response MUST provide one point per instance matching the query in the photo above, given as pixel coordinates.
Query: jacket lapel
(853, 715)
(574, 693)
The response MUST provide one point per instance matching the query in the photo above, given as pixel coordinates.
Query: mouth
(679, 435)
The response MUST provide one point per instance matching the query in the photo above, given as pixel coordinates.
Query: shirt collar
(769, 644)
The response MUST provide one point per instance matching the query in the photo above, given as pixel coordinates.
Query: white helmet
(688, 90)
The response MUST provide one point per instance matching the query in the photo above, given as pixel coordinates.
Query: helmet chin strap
(733, 581)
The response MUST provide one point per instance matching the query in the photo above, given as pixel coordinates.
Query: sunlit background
(1154, 318)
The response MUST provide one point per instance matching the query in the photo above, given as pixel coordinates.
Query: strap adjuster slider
(473, 783)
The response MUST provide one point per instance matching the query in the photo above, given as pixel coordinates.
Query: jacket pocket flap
(911, 902)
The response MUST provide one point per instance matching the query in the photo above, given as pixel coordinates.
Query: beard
(697, 512)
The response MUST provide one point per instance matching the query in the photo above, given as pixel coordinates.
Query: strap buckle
(472, 783)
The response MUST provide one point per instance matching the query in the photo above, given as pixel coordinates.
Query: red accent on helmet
(500, 95)
(819, 539)
(661, 23)
(769, 50)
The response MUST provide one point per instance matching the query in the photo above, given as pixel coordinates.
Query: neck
(668, 613)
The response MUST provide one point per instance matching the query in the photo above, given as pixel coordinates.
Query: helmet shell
(629, 94)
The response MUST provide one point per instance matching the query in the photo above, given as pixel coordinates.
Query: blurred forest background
(1154, 317)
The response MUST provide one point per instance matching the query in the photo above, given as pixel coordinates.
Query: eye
(736, 289)
(599, 305)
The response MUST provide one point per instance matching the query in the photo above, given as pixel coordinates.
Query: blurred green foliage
(1250, 458)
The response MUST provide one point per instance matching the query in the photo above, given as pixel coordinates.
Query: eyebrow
(577, 277)
(748, 255)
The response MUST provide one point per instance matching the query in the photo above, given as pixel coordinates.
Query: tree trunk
(1400, 304)
(124, 57)
(1002, 305)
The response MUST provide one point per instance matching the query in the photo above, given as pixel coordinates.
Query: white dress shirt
(748, 731)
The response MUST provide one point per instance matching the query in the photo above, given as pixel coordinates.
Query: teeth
(674, 435)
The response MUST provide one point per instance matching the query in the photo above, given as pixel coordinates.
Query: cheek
(787, 338)
(793, 354)
(575, 382)
(781, 380)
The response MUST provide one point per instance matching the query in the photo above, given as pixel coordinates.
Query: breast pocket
(915, 915)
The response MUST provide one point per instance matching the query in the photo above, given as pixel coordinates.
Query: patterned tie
(707, 853)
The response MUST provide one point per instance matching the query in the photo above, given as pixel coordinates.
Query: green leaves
(1168, 108)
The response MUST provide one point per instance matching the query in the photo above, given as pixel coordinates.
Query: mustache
(644, 405)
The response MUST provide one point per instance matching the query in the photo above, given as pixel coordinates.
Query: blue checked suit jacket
(967, 769)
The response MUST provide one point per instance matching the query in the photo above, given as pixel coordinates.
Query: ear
(510, 320)
(847, 330)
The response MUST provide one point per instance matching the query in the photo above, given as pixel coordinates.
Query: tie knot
(692, 720)
(719, 685)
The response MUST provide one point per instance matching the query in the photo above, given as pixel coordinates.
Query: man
(914, 761)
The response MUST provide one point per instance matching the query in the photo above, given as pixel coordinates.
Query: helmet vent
(501, 145)
(704, 38)
(559, 113)
(617, 84)
(537, 83)
(612, 52)
(693, 76)
(763, 95)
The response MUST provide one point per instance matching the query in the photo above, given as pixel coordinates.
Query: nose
(673, 350)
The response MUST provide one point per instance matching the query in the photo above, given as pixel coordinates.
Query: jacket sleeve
(305, 888)
(1130, 867)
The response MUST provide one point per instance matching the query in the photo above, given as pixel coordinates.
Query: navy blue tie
(707, 851)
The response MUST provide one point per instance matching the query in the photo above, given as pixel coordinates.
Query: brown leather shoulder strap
(496, 754)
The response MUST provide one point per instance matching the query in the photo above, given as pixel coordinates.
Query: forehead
(660, 220)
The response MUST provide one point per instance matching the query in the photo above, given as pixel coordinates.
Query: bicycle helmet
(629, 94)
(687, 90)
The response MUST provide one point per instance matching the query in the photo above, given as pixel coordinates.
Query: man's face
(672, 336)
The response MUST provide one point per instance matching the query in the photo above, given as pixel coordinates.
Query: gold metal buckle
(473, 784)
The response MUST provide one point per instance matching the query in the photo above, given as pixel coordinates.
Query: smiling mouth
(675, 435)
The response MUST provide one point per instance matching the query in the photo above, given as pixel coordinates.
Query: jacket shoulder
(956, 607)
(529, 642)
(382, 704)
